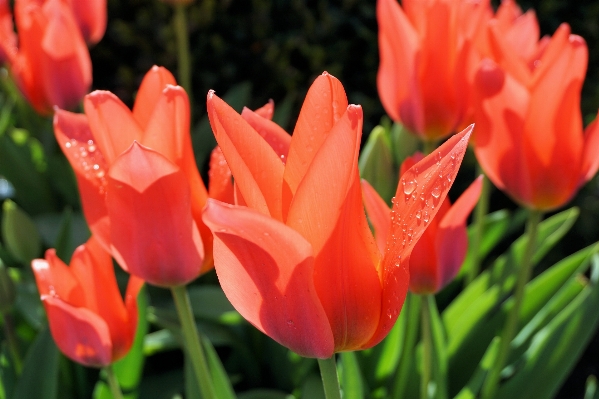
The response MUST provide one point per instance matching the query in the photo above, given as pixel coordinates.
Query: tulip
(439, 253)
(221, 185)
(299, 261)
(51, 65)
(142, 194)
(530, 139)
(91, 18)
(426, 49)
(88, 319)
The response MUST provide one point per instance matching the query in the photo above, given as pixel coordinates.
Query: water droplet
(91, 148)
(68, 144)
(266, 233)
(439, 157)
(290, 323)
(425, 216)
(408, 186)
(418, 215)
(436, 192)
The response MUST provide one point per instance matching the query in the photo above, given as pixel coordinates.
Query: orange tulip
(51, 65)
(299, 262)
(141, 191)
(426, 49)
(439, 253)
(91, 18)
(530, 139)
(88, 319)
(221, 185)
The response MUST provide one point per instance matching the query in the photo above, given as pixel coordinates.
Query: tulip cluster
(51, 63)
(303, 248)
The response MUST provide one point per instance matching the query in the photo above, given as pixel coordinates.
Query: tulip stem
(183, 55)
(482, 208)
(192, 342)
(330, 381)
(509, 330)
(427, 347)
(113, 383)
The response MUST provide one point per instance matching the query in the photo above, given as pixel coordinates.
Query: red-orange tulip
(299, 262)
(439, 253)
(425, 49)
(88, 319)
(51, 65)
(142, 194)
(91, 18)
(530, 139)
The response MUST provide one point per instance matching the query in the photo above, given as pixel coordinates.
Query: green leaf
(471, 320)
(19, 233)
(351, 377)
(555, 349)
(8, 377)
(222, 383)
(159, 341)
(591, 391)
(496, 225)
(39, 379)
(128, 370)
(376, 164)
(209, 302)
(32, 190)
(403, 143)
(264, 394)
(439, 350)
(405, 383)
(471, 389)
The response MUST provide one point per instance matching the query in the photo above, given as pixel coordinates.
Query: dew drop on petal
(436, 192)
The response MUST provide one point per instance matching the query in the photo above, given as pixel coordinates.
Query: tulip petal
(398, 46)
(111, 122)
(590, 161)
(267, 110)
(346, 275)
(272, 133)
(79, 333)
(452, 236)
(317, 204)
(325, 104)
(77, 143)
(8, 38)
(257, 169)
(422, 188)
(91, 18)
(220, 178)
(553, 129)
(66, 68)
(94, 269)
(54, 278)
(150, 91)
(266, 270)
(153, 234)
(379, 214)
(500, 119)
(504, 55)
(424, 265)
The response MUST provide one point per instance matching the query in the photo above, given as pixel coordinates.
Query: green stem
(401, 377)
(509, 330)
(330, 381)
(192, 342)
(13, 343)
(427, 347)
(113, 382)
(183, 56)
(482, 208)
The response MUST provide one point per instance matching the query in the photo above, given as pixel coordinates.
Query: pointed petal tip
(211, 94)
